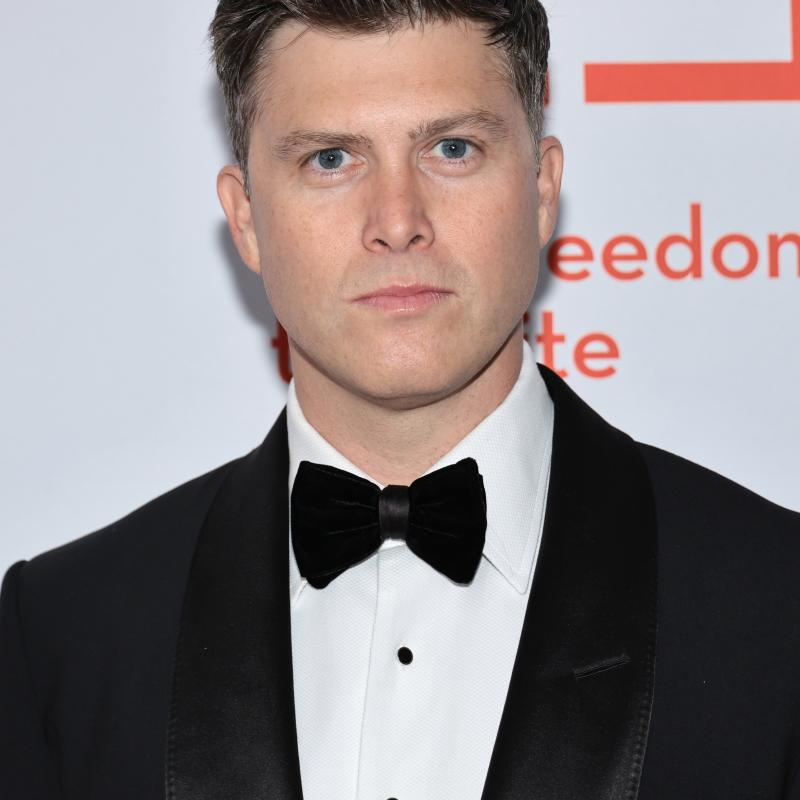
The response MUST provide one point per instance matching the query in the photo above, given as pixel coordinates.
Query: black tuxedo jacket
(659, 656)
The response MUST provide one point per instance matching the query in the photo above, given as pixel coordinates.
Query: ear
(551, 167)
(238, 211)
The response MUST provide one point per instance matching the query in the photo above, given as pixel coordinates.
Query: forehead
(312, 75)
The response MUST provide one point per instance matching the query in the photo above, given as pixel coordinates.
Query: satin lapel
(577, 713)
(231, 726)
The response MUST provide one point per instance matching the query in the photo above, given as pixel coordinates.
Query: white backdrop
(136, 348)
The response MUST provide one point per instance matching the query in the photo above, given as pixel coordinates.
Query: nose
(396, 217)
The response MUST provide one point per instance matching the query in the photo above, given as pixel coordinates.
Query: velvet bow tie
(339, 519)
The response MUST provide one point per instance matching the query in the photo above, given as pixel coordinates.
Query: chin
(405, 388)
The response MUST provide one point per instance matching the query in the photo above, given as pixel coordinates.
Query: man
(482, 590)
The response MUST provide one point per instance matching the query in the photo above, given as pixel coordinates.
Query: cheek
(298, 254)
(515, 213)
(495, 231)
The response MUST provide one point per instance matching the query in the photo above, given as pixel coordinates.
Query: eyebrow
(299, 140)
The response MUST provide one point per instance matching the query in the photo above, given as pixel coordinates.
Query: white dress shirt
(369, 726)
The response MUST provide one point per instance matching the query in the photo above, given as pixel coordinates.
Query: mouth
(404, 299)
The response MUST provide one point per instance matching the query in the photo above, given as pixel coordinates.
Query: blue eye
(330, 159)
(454, 149)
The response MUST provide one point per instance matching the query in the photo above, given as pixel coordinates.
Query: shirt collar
(512, 446)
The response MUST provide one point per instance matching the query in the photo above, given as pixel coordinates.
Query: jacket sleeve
(26, 766)
(792, 788)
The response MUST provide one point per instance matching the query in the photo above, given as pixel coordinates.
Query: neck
(396, 446)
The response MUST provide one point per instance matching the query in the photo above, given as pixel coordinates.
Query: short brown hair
(241, 29)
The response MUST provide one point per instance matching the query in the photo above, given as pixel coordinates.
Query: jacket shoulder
(91, 628)
(686, 488)
(124, 571)
(160, 524)
(728, 642)
(719, 542)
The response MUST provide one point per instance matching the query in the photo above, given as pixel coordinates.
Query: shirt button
(406, 657)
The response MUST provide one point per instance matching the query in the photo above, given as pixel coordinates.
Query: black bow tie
(339, 519)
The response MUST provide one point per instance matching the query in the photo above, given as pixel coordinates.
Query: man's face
(355, 197)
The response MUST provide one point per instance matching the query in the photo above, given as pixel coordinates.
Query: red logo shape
(698, 81)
